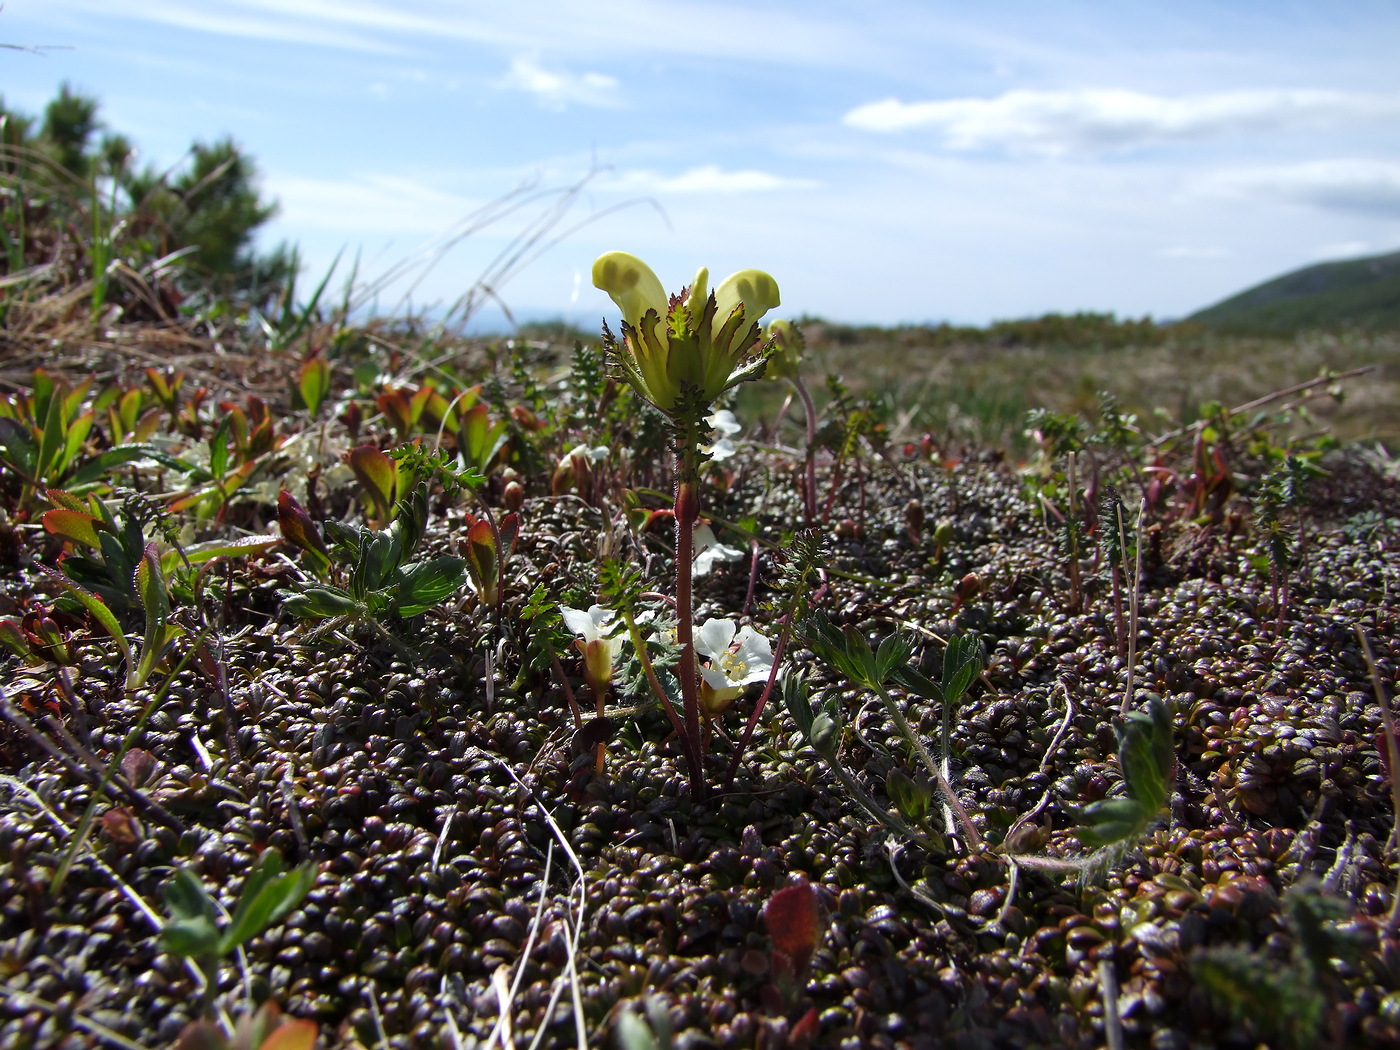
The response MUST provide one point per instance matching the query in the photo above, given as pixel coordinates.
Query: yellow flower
(788, 348)
(681, 352)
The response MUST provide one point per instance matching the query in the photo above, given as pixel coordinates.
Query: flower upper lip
(699, 343)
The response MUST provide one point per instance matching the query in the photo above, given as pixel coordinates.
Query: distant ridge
(1363, 293)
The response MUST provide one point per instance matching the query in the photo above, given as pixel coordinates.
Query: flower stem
(687, 513)
(809, 488)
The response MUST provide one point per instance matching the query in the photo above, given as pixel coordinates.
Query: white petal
(755, 655)
(602, 618)
(716, 679)
(719, 552)
(580, 622)
(714, 636)
(724, 422)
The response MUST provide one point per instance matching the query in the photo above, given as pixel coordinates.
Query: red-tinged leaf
(805, 1030)
(510, 532)
(128, 408)
(146, 425)
(72, 525)
(297, 527)
(419, 402)
(120, 826)
(201, 1035)
(13, 639)
(480, 550)
(293, 1035)
(439, 410)
(237, 423)
(794, 923)
(139, 765)
(66, 500)
(396, 410)
(377, 473)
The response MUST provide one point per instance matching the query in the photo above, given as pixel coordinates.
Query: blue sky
(888, 161)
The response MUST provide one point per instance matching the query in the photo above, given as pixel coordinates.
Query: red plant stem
(778, 652)
(687, 513)
(753, 577)
(809, 491)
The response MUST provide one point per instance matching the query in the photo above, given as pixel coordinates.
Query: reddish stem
(687, 513)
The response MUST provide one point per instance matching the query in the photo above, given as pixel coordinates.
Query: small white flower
(600, 638)
(709, 550)
(724, 422)
(737, 657)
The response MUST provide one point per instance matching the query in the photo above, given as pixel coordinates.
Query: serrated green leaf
(914, 681)
(428, 583)
(269, 901)
(893, 654)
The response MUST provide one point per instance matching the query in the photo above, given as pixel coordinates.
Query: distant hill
(1356, 292)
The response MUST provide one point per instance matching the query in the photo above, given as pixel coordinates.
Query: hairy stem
(687, 513)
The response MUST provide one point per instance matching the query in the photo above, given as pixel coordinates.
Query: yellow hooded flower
(682, 353)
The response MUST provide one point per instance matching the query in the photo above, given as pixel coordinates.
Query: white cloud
(1055, 122)
(1343, 249)
(1370, 187)
(557, 89)
(708, 178)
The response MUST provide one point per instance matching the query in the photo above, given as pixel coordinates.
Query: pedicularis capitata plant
(681, 352)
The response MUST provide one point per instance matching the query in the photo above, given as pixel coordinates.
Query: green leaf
(51, 439)
(915, 681)
(93, 470)
(798, 705)
(1111, 820)
(321, 603)
(910, 797)
(426, 584)
(18, 448)
(266, 898)
(99, 611)
(313, 382)
(73, 439)
(377, 474)
(192, 930)
(13, 639)
(893, 654)
(199, 553)
(219, 448)
(150, 588)
(72, 525)
(962, 663)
